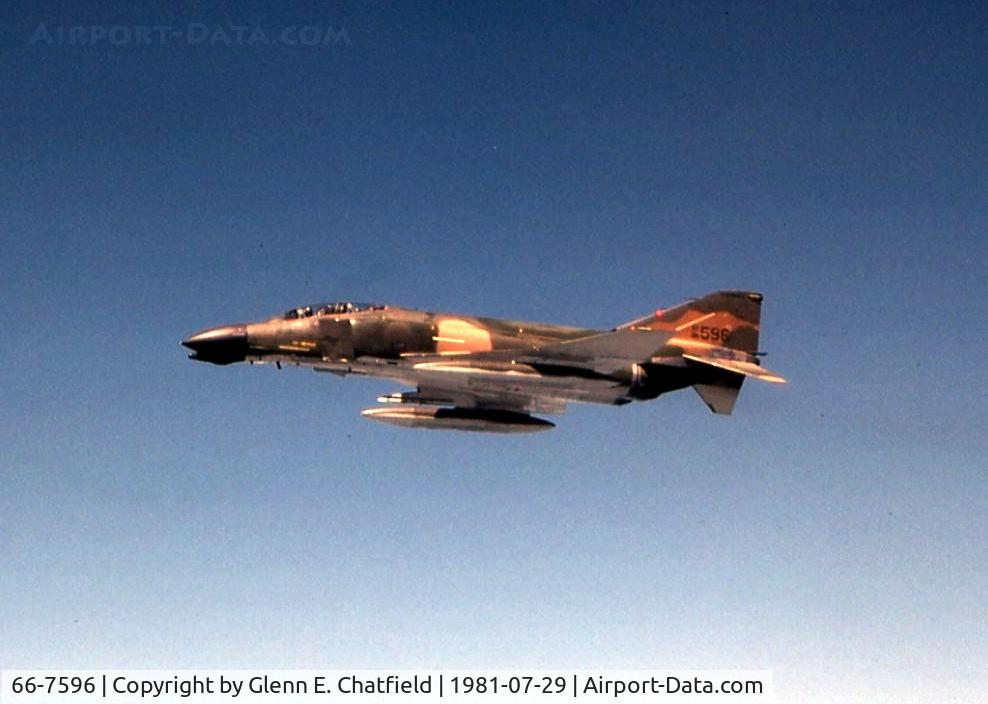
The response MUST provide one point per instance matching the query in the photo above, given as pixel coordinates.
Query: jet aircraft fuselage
(477, 373)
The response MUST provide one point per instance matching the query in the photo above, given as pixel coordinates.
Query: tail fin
(717, 337)
(723, 319)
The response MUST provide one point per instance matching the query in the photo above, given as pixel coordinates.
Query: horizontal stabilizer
(738, 367)
(719, 399)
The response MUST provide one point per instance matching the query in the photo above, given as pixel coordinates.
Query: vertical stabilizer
(728, 319)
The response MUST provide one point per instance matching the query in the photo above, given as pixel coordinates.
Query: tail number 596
(706, 332)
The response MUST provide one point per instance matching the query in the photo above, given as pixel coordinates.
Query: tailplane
(717, 337)
(720, 398)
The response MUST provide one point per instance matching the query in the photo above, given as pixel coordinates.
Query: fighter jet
(487, 374)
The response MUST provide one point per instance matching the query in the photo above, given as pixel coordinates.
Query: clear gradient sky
(581, 164)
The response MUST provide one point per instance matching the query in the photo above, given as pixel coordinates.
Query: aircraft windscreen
(296, 313)
(342, 307)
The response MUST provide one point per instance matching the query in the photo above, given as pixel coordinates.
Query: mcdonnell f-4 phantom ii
(487, 374)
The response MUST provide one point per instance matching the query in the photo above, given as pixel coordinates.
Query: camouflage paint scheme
(489, 374)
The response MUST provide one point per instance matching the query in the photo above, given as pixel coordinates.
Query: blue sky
(576, 163)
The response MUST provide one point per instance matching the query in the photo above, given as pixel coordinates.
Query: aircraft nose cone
(222, 345)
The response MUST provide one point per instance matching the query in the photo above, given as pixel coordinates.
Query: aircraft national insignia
(486, 374)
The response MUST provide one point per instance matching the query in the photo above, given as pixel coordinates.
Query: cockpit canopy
(343, 307)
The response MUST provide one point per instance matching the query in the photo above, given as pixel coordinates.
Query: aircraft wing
(463, 382)
(602, 353)
(527, 379)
